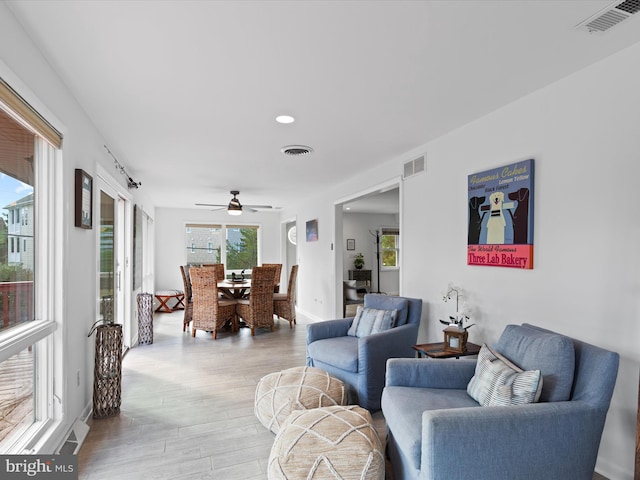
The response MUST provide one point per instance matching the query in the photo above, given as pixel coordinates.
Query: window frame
(41, 333)
(390, 231)
(189, 226)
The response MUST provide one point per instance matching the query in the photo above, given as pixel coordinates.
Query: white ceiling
(186, 92)
(387, 202)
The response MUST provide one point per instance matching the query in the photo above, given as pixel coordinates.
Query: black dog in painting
(475, 220)
(520, 219)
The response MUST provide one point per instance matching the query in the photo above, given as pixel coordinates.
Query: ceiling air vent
(415, 166)
(610, 16)
(296, 150)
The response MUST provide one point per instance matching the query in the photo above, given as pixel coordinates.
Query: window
(242, 248)
(389, 243)
(204, 245)
(203, 242)
(27, 327)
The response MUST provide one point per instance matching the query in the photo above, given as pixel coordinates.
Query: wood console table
(362, 277)
(436, 350)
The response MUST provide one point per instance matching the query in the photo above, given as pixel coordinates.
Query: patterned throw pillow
(498, 382)
(370, 320)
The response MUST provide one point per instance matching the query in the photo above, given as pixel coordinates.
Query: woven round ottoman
(327, 443)
(298, 388)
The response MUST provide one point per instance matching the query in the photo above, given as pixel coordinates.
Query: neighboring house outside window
(20, 232)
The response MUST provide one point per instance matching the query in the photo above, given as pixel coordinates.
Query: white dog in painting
(496, 222)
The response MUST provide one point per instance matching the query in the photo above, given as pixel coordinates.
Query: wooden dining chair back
(210, 313)
(257, 310)
(284, 304)
(188, 297)
(276, 280)
(218, 267)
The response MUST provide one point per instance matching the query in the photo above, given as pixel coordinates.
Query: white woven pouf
(298, 388)
(327, 443)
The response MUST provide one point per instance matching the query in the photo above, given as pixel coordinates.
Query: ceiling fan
(235, 207)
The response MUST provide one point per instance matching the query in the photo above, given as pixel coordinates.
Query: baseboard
(611, 470)
(308, 315)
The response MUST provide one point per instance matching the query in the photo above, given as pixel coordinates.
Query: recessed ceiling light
(285, 119)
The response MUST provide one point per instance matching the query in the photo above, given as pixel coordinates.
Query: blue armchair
(360, 361)
(437, 431)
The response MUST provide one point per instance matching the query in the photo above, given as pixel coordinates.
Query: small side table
(165, 295)
(436, 350)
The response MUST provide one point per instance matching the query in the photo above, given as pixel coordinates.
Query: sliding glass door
(113, 254)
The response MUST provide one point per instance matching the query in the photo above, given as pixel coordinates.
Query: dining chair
(276, 281)
(188, 297)
(210, 313)
(257, 310)
(218, 267)
(284, 304)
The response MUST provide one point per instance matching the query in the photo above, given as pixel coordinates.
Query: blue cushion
(403, 407)
(386, 302)
(551, 353)
(342, 352)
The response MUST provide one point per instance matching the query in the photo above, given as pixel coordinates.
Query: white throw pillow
(499, 382)
(351, 290)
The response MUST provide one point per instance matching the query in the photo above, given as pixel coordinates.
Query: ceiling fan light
(234, 208)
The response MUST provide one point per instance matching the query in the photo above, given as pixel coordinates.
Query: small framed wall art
(84, 199)
(312, 231)
(351, 243)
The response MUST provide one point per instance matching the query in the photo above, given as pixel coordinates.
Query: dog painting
(500, 214)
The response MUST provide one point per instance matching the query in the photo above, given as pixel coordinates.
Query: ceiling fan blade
(209, 205)
(258, 206)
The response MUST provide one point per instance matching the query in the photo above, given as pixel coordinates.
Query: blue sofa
(436, 431)
(360, 362)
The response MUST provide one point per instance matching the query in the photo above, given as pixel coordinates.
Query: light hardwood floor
(187, 406)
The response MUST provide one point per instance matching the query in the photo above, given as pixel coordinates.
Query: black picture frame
(84, 199)
(351, 243)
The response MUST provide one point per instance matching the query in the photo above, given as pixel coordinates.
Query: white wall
(358, 227)
(583, 134)
(23, 67)
(170, 247)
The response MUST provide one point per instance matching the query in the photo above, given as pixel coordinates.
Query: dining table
(234, 289)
